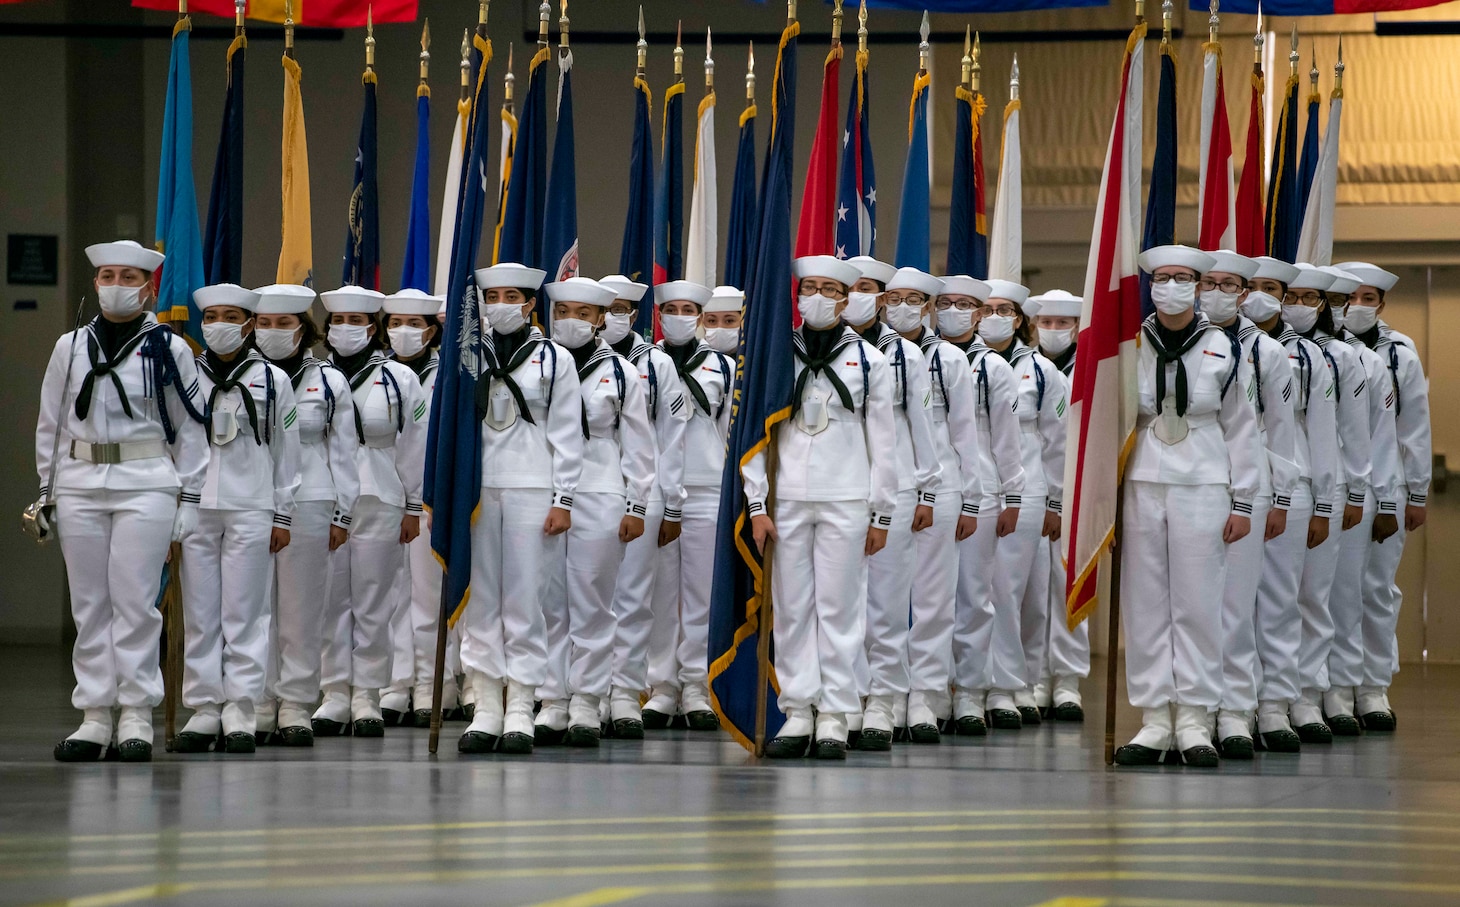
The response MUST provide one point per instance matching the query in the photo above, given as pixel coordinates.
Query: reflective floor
(1019, 818)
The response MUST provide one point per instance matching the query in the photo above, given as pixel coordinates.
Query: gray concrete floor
(1019, 818)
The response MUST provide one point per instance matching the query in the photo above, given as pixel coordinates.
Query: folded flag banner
(223, 235)
(669, 193)
(177, 236)
(451, 194)
(702, 247)
(968, 229)
(1251, 238)
(1315, 243)
(416, 269)
(522, 222)
(1216, 202)
(1315, 7)
(1161, 198)
(1308, 158)
(1283, 211)
(362, 237)
(560, 221)
(856, 204)
(1006, 254)
(504, 159)
(636, 256)
(307, 13)
(740, 243)
(815, 232)
(914, 238)
(296, 247)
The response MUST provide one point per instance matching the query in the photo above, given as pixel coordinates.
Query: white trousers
(1172, 577)
(1381, 605)
(1346, 602)
(114, 544)
(226, 574)
(973, 627)
(1279, 623)
(357, 628)
(679, 639)
(819, 593)
(425, 573)
(935, 583)
(634, 603)
(402, 637)
(301, 591)
(1239, 613)
(512, 560)
(889, 603)
(1068, 654)
(1021, 598)
(580, 624)
(1314, 591)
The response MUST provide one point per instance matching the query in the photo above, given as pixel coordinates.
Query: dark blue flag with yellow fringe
(1160, 229)
(1308, 161)
(223, 233)
(522, 222)
(416, 269)
(362, 237)
(1284, 213)
(764, 379)
(740, 242)
(914, 237)
(968, 227)
(636, 255)
(560, 226)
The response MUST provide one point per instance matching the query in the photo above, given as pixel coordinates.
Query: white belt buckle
(1170, 428)
(225, 426)
(501, 409)
(813, 416)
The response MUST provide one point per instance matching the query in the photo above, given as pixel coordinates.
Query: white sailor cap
(682, 291)
(352, 300)
(1344, 283)
(725, 299)
(825, 266)
(510, 274)
(1232, 263)
(963, 285)
(1175, 256)
(913, 279)
(580, 289)
(411, 301)
(1370, 275)
(1310, 278)
(124, 254)
(284, 299)
(441, 309)
(872, 269)
(1269, 268)
(221, 294)
(1054, 304)
(625, 289)
(1008, 289)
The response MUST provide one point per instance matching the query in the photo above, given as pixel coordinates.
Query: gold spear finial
(369, 38)
(1214, 22)
(1257, 42)
(750, 75)
(709, 62)
(482, 14)
(1313, 68)
(508, 80)
(544, 13)
(425, 51)
(1338, 67)
(1168, 9)
(1293, 55)
(925, 51)
(967, 61)
(679, 52)
(465, 64)
(976, 71)
(563, 25)
(836, 24)
(1014, 80)
(862, 28)
(643, 45)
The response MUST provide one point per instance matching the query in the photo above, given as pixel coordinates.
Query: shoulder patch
(420, 411)
(290, 417)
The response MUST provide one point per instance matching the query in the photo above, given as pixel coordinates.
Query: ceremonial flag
(856, 205)
(669, 195)
(982, 6)
(416, 269)
(1315, 243)
(362, 238)
(453, 481)
(764, 379)
(1161, 200)
(451, 195)
(223, 235)
(504, 167)
(1104, 396)
(703, 245)
(1315, 7)
(1308, 159)
(177, 199)
(1216, 211)
(815, 234)
(740, 244)
(1251, 240)
(1006, 255)
(1283, 209)
(968, 229)
(636, 256)
(522, 222)
(307, 13)
(560, 224)
(913, 234)
(296, 249)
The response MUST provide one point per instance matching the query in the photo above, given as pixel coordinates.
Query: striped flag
(856, 206)
(636, 256)
(914, 239)
(1161, 199)
(703, 244)
(740, 244)
(296, 248)
(177, 199)
(560, 225)
(446, 234)
(1103, 392)
(1283, 209)
(1251, 239)
(416, 268)
(816, 231)
(1216, 203)
(1006, 255)
(968, 229)
(362, 237)
(1315, 243)
(223, 234)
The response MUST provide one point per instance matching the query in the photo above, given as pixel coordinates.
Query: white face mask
(1172, 298)
(679, 329)
(1260, 306)
(505, 317)
(616, 327)
(120, 302)
(572, 332)
(996, 328)
(954, 322)
(724, 340)
(1220, 307)
(1054, 341)
(861, 308)
(817, 311)
(349, 339)
(223, 338)
(276, 343)
(904, 318)
(1360, 318)
(1300, 318)
(1340, 317)
(407, 341)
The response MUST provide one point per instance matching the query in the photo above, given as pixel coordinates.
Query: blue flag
(1308, 162)
(1160, 227)
(453, 482)
(1284, 213)
(522, 222)
(669, 191)
(416, 271)
(636, 256)
(968, 231)
(560, 230)
(223, 235)
(913, 233)
(740, 243)
(764, 379)
(177, 199)
(362, 237)
(856, 196)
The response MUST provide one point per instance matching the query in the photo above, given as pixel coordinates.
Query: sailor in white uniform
(121, 453)
(392, 419)
(1189, 486)
(532, 456)
(679, 637)
(836, 489)
(608, 513)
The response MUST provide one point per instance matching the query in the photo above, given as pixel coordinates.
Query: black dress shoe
(582, 736)
(1044, 712)
(871, 741)
(239, 743)
(835, 749)
(468, 712)
(515, 745)
(656, 721)
(369, 727)
(326, 727)
(1281, 741)
(476, 743)
(1344, 725)
(853, 737)
(422, 717)
(1236, 747)
(924, 733)
(1201, 756)
(899, 734)
(970, 726)
(112, 753)
(190, 742)
(702, 720)
(1317, 732)
(69, 750)
(628, 729)
(296, 736)
(1135, 754)
(787, 747)
(390, 717)
(135, 750)
(1382, 722)
(263, 738)
(1069, 711)
(1029, 715)
(1005, 720)
(546, 736)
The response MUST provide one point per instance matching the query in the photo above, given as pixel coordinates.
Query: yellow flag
(296, 253)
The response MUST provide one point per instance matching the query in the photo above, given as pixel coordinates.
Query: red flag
(816, 233)
(1251, 235)
(1217, 216)
(311, 13)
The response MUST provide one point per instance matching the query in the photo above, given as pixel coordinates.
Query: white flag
(701, 244)
(1315, 243)
(1006, 246)
(446, 240)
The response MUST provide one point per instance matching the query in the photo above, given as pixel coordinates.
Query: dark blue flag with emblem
(1160, 229)
(856, 197)
(522, 221)
(636, 255)
(764, 377)
(223, 232)
(560, 229)
(416, 269)
(362, 238)
(1284, 212)
(669, 192)
(453, 480)
(1308, 161)
(740, 241)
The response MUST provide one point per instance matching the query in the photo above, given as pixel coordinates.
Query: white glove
(185, 522)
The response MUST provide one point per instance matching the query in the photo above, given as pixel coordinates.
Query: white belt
(1193, 420)
(122, 452)
(311, 437)
(385, 444)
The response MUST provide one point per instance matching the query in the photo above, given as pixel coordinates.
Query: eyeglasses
(620, 308)
(829, 289)
(1227, 286)
(1310, 299)
(962, 305)
(1006, 310)
(915, 299)
(1159, 279)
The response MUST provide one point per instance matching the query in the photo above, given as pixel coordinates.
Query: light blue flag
(178, 236)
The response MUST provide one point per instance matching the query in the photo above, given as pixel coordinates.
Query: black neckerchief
(817, 351)
(419, 365)
(965, 345)
(687, 358)
(112, 336)
(354, 365)
(873, 333)
(1066, 360)
(503, 356)
(1009, 352)
(293, 366)
(1169, 347)
(583, 355)
(505, 346)
(625, 344)
(122, 338)
(1371, 337)
(227, 376)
